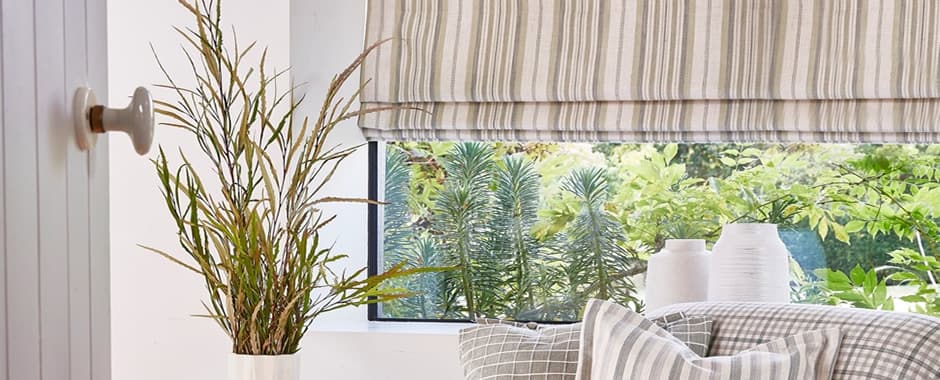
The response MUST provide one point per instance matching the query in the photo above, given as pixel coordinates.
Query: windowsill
(410, 328)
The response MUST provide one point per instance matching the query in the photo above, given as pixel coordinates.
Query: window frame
(376, 152)
(373, 222)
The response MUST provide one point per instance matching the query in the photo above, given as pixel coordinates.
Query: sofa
(876, 345)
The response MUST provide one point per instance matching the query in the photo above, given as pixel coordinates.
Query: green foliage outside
(535, 229)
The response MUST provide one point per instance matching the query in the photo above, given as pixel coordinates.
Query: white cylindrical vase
(264, 367)
(749, 264)
(677, 274)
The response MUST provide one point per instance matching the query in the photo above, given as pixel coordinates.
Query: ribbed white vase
(749, 264)
(264, 367)
(677, 274)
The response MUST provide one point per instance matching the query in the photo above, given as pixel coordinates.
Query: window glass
(532, 230)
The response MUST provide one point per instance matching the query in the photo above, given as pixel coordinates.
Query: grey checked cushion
(618, 344)
(501, 351)
(506, 350)
(876, 345)
(494, 321)
(694, 330)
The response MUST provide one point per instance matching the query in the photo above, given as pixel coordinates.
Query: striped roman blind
(655, 70)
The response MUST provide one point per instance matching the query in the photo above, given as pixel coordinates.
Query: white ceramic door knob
(91, 119)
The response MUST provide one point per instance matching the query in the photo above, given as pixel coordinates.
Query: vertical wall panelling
(54, 291)
(76, 65)
(3, 277)
(100, 267)
(53, 140)
(98, 212)
(20, 179)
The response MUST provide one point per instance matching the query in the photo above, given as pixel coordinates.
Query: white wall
(153, 335)
(325, 36)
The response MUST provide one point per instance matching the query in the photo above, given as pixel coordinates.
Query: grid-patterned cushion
(495, 351)
(506, 350)
(694, 330)
(876, 345)
(618, 344)
(494, 321)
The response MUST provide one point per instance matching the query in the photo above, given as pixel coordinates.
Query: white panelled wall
(54, 271)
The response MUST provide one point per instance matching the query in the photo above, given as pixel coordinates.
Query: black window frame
(373, 222)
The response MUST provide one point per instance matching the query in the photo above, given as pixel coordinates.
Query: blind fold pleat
(655, 70)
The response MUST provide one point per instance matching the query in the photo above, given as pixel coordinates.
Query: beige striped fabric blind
(655, 70)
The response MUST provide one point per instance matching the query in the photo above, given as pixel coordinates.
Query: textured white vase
(749, 264)
(677, 274)
(264, 367)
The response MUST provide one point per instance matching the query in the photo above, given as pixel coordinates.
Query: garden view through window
(533, 230)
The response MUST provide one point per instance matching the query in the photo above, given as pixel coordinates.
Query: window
(534, 229)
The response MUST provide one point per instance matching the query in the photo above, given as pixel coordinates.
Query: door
(54, 280)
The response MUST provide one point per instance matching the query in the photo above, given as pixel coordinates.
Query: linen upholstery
(654, 70)
(494, 321)
(618, 344)
(506, 350)
(875, 345)
(695, 331)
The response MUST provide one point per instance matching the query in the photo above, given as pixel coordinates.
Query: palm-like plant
(599, 267)
(397, 236)
(401, 245)
(549, 275)
(250, 223)
(462, 213)
(397, 239)
(429, 301)
(514, 214)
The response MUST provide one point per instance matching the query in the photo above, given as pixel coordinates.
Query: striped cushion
(876, 345)
(620, 344)
(505, 350)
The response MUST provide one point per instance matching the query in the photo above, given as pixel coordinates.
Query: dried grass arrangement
(250, 223)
